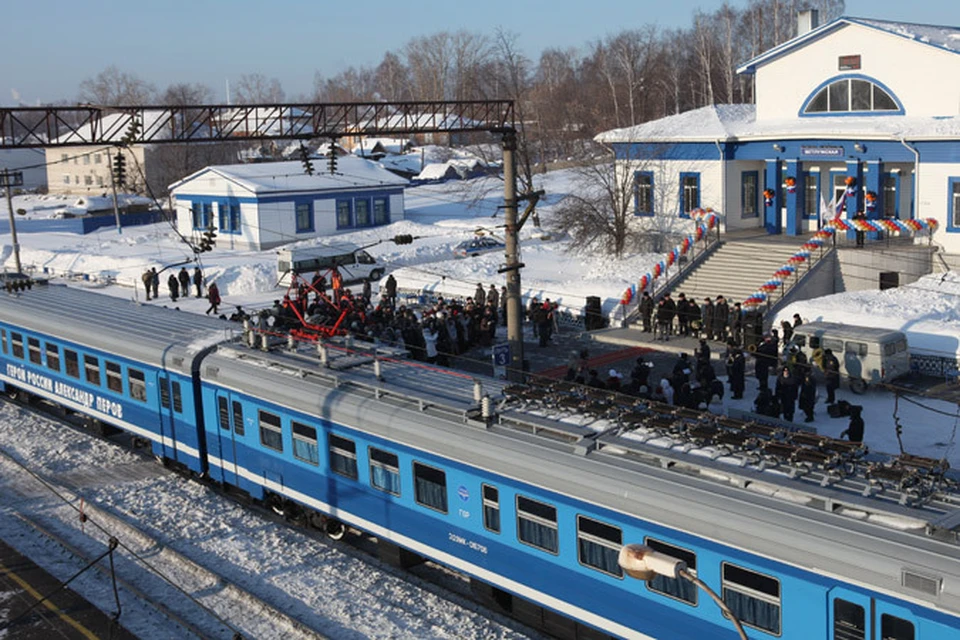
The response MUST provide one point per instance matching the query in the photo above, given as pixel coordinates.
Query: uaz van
(355, 264)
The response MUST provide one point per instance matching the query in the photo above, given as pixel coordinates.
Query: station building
(852, 115)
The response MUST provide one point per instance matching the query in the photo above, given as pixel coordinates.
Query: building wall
(733, 207)
(666, 191)
(910, 70)
(860, 270)
(88, 170)
(934, 197)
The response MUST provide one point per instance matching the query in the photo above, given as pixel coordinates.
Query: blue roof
(941, 37)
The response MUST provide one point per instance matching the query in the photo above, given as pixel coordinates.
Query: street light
(643, 563)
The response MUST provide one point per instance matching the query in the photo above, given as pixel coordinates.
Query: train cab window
(491, 508)
(33, 346)
(53, 357)
(138, 384)
(271, 435)
(92, 368)
(675, 588)
(430, 487)
(894, 628)
(3, 340)
(177, 398)
(223, 413)
(537, 524)
(305, 443)
(238, 418)
(384, 471)
(114, 376)
(343, 456)
(849, 621)
(598, 545)
(753, 597)
(16, 344)
(72, 361)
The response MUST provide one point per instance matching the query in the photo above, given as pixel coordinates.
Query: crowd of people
(713, 319)
(178, 286)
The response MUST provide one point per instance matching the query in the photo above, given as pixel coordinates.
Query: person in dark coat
(736, 372)
(198, 281)
(213, 296)
(861, 235)
(544, 321)
(173, 285)
(155, 282)
(147, 278)
(721, 319)
(593, 380)
(854, 430)
(797, 320)
(493, 297)
(736, 324)
(766, 404)
(184, 277)
(641, 373)
(786, 391)
(646, 311)
(706, 318)
(766, 359)
(787, 331)
(695, 320)
(391, 290)
(831, 371)
(683, 315)
(664, 319)
(808, 395)
(480, 296)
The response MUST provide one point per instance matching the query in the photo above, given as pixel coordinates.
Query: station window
(676, 588)
(33, 346)
(344, 214)
(91, 367)
(537, 524)
(114, 377)
(849, 621)
(53, 357)
(238, 418)
(362, 208)
(643, 193)
(491, 508)
(430, 487)
(304, 213)
(385, 471)
(16, 344)
(137, 384)
(271, 435)
(598, 545)
(689, 193)
(848, 94)
(305, 443)
(749, 194)
(894, 628)
(753, 597)
(343, 456)
(223, 413)
(72, 362)
(177, 398)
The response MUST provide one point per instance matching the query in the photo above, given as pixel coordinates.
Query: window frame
(681, 553)
(684, 176)
(826, 87)
(648, 196)
(34, 352)
(71, 363)
(381, 214)
(91, 365)
(3, 340)
(267, 426)
(335, 451)
(176, 396)
(52, 352)
(537, 520)
(850, 627)
(755, 201)
(236, 409)
(889, 618)
(811, 182)
(300, 434)
(114, 376)
(492, 506)
(749, 592)
(16, 345)
(592, 538)
(303, 223)
(953, 204)
(347, 205)
(890, 196)
(137, 384)
(380, 459)
(356, 213)
(418, 495)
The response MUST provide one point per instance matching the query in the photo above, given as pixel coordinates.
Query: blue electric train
(531, 491)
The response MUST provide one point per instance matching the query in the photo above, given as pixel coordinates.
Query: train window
(137, 383)
(33, 346)
(238, 418)
(491, 508)
(430, 487)
(537, 524)
(72, 361)
(3, 340)
(177, 398)
(164, 394)
(753, 597)
(849, 621)
(16, 344)
(271, 435)
(53, 357)
(223, 413)
(305, 443)
(92, 368)
(676, 588)
(598, 545)
(343, 456)
(385, 471)
(894, 628)
(114, 376)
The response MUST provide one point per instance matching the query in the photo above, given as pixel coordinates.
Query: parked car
(478, 246)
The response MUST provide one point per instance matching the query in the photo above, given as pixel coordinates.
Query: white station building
(860, 103)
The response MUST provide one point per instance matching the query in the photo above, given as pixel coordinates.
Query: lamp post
(643, 563)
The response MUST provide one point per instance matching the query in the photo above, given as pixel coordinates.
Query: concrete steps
(735, 270)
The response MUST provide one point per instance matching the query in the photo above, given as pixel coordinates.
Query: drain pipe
(916, 176)
(723, 189)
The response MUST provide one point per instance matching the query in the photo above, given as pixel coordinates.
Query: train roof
(807, 500)
(146, 333)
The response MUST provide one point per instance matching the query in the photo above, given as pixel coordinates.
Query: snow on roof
(388, 145)
(738, 122)
(462, 168)
(280, 177)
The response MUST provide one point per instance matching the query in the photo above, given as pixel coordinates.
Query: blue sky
(48, 47)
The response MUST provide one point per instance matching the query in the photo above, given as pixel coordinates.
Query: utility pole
(512, 267)
(8, 180)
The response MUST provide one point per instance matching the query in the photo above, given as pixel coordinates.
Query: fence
(83, 224)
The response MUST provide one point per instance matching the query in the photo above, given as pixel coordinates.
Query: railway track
(207, 591)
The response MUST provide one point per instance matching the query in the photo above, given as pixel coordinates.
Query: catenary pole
(512, 266)
(8, 180)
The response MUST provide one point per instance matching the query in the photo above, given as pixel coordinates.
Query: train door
(167, 424)
(854, 616)
(229, 414)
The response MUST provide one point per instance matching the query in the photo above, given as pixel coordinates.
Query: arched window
(851, 94)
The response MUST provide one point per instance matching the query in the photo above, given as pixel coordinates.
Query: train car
(534, 491)
(124, 365)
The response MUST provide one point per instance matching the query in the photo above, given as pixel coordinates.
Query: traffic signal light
(403, 238)
(119, 169)
(305, 159)
(208, 239)
(18, 284)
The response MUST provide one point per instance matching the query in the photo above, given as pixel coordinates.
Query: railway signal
(208, 239)
(119, 168)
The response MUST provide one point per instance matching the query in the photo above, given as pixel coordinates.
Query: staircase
(734, 270)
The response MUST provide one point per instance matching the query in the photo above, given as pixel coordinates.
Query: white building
(870, 104)
(259, 206)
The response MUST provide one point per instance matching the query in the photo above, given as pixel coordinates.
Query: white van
(867, 355)
(355, 264)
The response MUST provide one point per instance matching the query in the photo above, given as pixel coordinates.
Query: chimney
(807, 20)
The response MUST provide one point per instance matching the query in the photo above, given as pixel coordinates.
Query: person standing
(480, 296)
(155, 282)
(766, 359)
(831, 371)
(184, 277)
(147, 278)
(736, 324)
(646, 311)
(707, 313)
(493, 298)
(854, 431)
(198, 281)
(213, 296)
(859, 234)
(786, 392)
(173, 285)
(545, 323)
(721, 319)
(736, 372)
(683, 315)
(808, 395)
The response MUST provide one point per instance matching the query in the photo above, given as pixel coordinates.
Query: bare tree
(183, 94)
(114, 87)
(256, 88)
(392, 78)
